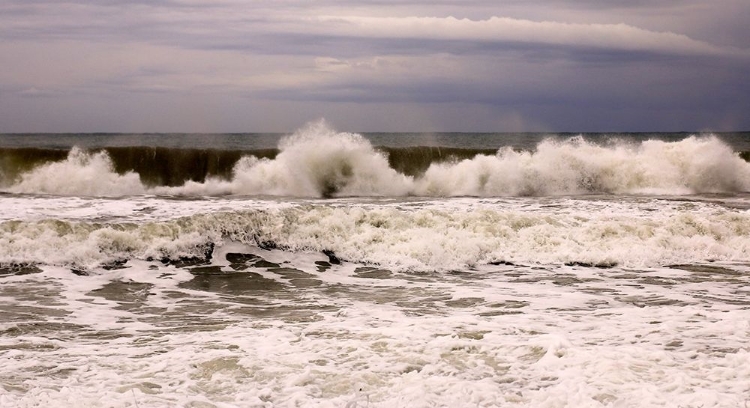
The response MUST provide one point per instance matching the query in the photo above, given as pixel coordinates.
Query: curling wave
(319, 162)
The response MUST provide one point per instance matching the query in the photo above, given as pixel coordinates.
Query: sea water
(336, 269)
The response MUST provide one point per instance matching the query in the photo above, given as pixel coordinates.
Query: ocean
(332, 269)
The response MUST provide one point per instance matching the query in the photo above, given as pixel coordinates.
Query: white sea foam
(319, 162)
(436, 341)
(536, 333)
(128, 209)
(417, 235)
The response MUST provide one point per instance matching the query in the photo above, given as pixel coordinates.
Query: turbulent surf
(337, 269)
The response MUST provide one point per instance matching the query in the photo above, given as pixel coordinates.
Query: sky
(374, 65)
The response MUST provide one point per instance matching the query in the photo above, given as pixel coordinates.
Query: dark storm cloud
(549, 62)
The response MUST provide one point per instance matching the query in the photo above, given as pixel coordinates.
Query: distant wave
(319, 162)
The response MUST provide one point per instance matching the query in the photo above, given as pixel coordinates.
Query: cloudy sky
(374, 65)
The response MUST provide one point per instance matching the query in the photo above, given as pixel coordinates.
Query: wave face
(319, 162)
(421, 238)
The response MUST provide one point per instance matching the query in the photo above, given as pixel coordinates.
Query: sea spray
(317, 161)
(576, 166)
(81, 173)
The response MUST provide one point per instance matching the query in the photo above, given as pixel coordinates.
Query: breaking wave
(424, 239)
(319, 162)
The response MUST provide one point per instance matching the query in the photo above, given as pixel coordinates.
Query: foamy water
(575, 274)
(265, 336)
(414, 235)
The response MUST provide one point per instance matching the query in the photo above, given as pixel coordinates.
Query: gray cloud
(552, 65)
(287, 30)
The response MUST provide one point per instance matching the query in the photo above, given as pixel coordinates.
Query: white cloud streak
(244, 25)
(513, 59)
(502, 29)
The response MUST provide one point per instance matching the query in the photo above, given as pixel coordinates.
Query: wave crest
(320, 162)
(81, 173)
